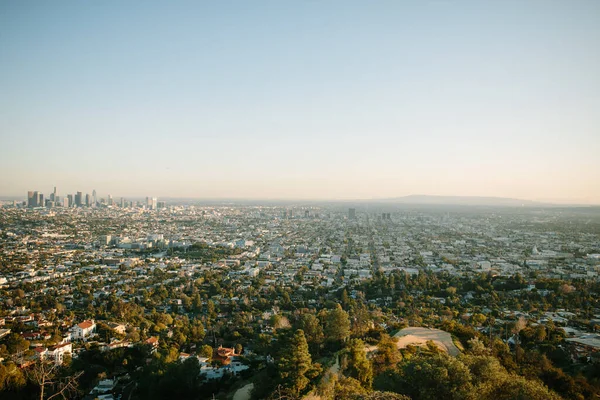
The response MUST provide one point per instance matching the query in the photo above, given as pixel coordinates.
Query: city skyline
(89, 200)
(324, 101)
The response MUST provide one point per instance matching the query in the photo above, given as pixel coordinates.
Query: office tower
(94, 198)
(154, 203)
(53, 196)
(351, 213)
(65, 202)
(70, 200)
(88, 200)
(78, 199)
(40, 200)
(122, 202)
(161, 205)
(31, 199)
(110, 200)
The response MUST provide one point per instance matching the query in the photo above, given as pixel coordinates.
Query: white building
(83, 330)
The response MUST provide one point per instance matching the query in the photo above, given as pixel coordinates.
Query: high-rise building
(53, 196)
(31, 199)
(70, 202)
(79, 199)
(122, 202)
(151, 203)
(94, 198)
(88, 200)
(351, 213)
(110, 200)
(40, 200)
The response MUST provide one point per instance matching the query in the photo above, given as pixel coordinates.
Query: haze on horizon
(301, 100)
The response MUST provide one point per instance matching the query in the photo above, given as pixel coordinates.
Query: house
(105, 386)
(224, 354)
(152, 341)
(59, 351)
(116, 345)
(83, 330)
(54, 353)
(117, 327)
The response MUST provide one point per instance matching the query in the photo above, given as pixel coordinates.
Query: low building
(83, 330)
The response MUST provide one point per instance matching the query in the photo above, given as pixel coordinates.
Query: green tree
(313, 331)
(429, 378)
(295, 365)
(519, 388)
(358, 366)
(16, 344)
(387, 354)
(337, 325)
(11, 377)
(206, 351)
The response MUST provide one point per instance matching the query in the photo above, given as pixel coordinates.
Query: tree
(519, 388)
(295, 366)
(206, 351)
(313, 331)
(476, 347)
(349, 388)
(380, 396)
(197, 302)
(358, 366)
(16, 344)
(11, 377)
(429, 378)
(337, 325)
(478, 319)
(280, 322)
(520, 324)
(387, 354)
(46, 374)
(196, 332)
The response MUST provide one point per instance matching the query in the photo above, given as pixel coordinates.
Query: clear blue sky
(301, 99)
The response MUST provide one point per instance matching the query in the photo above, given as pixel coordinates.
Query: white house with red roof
(59, 351)
(55, 353)
(83, 330)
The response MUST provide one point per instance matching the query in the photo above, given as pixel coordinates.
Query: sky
(305, 99)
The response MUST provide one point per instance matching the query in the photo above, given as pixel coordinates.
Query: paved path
(243, 393)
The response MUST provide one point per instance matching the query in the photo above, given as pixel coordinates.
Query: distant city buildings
(35, 199)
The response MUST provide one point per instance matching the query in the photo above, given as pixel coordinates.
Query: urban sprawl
(153, 299)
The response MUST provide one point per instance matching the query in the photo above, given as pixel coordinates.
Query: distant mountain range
(463, 201)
